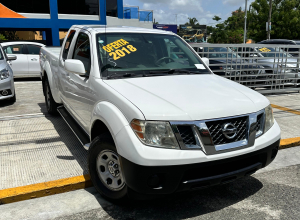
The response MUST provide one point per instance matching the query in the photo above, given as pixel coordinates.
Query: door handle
(33, 59)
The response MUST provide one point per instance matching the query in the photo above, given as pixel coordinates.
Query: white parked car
(27, 63)
(7, 87)
(154, 123)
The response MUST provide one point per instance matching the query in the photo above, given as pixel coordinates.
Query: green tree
(192, 21)
(217, 18)
(2, 37)
(230, 31)
(285, 19)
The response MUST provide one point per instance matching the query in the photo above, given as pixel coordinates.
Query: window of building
(79, 7)
(28, 6)
(82, 51)
(112, 8)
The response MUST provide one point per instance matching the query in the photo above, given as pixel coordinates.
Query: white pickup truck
(153, 117)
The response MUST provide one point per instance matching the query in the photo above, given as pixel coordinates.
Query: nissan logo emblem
(229, 131)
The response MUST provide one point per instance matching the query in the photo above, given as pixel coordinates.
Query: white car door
(19, 66)
(34, 67)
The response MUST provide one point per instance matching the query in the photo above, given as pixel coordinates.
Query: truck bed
(54, 51)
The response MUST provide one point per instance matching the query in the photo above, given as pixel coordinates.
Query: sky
(203, 10)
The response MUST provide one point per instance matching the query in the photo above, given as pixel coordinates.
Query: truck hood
(188, 97)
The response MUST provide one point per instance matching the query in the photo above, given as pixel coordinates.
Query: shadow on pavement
(186, 205)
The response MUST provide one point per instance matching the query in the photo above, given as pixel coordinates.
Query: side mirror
(11, 57)
(75, 66)
(205, 60)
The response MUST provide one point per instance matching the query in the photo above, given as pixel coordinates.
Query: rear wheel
(50, 103)
(105, 169)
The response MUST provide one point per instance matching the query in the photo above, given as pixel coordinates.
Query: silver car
(7, 88)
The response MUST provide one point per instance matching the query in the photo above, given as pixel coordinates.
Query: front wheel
(105, 169)
(50, 103)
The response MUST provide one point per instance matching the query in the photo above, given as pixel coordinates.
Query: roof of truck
(120, 29)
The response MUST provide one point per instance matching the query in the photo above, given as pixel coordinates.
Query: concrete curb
(44, 189)
(290, 142)
(74, 183)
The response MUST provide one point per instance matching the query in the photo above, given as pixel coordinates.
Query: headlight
(269, 119)
(4, 74)
(155, 133)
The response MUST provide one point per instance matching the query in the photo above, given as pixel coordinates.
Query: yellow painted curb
(286, 109)
(44, 189)
(291, 142)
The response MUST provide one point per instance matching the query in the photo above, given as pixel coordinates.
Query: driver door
(80, 92)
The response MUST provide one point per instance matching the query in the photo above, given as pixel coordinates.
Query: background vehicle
(7, 88)
(280, 66)
(154, 125)
(293, 51)
(225, 62)
(27, 63)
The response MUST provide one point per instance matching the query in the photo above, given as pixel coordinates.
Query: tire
(102, 157)
(50, 103)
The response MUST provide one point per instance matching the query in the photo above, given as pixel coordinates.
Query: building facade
(52, 17)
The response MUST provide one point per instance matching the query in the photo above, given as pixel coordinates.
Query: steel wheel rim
(109, 170)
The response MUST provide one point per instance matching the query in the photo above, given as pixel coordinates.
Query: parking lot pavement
(30, 100)
(289, 121)
(272, 193)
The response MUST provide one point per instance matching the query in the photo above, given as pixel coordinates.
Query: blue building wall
(53, 25)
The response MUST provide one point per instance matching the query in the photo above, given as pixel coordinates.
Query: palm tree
(192, 21)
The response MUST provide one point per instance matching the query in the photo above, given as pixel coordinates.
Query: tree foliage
(192, 21)
(285, 22)
(9, 35)
(230, 31)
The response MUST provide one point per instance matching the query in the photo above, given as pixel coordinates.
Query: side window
(68, 44)
(1, 56)
(14, 49)
(82, 51)
(33, 49)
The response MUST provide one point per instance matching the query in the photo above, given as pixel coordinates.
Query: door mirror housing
(75, 66)
(205, 60)
(11, 57)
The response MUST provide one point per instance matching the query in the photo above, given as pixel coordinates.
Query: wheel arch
(107, 117)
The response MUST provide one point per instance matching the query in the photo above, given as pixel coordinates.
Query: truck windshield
(137, 54)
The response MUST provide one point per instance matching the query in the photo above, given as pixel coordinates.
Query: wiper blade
(172, 71)
(115, 76)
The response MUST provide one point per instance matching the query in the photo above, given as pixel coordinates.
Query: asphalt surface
(272, 195)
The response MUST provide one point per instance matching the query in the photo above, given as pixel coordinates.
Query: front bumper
(7, 84)
(161, 180)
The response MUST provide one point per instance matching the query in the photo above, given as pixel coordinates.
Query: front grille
(187, 135)
(259, 123)
(215, 129)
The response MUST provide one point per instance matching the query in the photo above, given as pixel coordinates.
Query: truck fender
(111, 116)
(54, 89)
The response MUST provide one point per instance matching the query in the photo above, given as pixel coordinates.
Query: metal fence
(266, 68)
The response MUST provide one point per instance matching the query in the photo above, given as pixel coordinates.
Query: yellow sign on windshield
(119, 48)
(264, 49)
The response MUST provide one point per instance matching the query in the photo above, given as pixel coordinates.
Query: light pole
(245, 29)
(269, 20)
